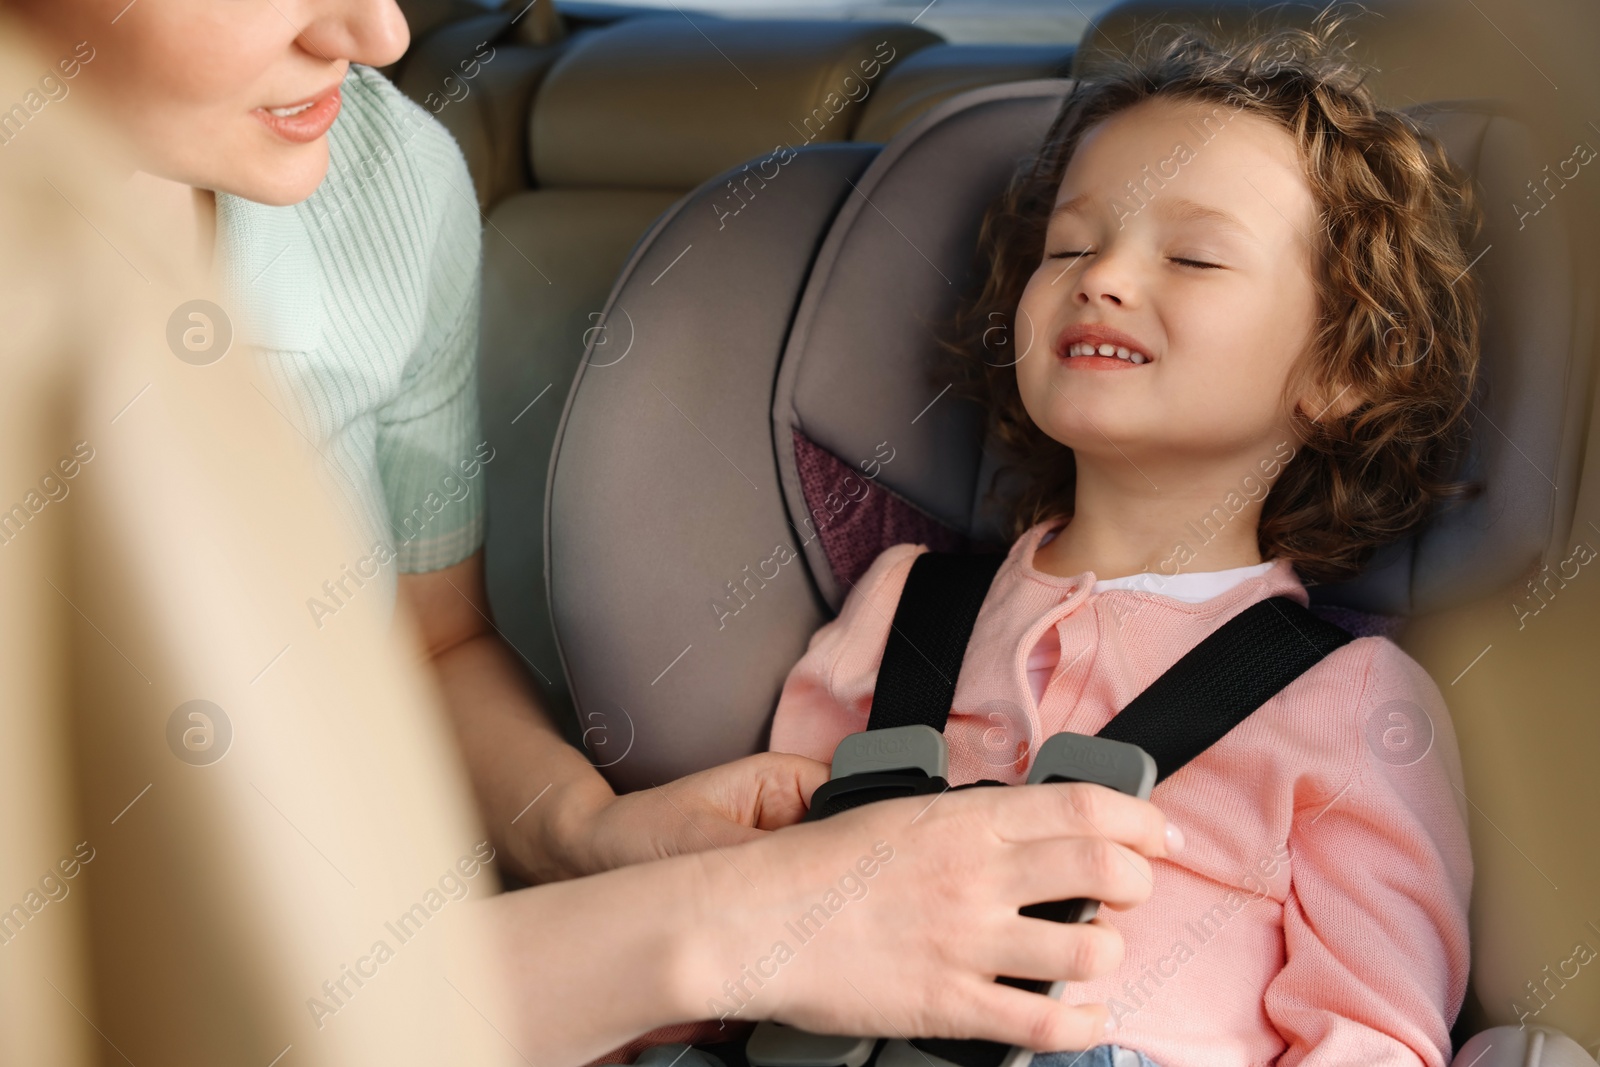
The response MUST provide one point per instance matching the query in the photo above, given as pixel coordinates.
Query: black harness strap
(1222, 680)
(921, 662)
(928, 639)
(1214, 687)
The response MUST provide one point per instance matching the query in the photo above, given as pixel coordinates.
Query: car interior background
(586, 126)
(717, 240)
(718, 236)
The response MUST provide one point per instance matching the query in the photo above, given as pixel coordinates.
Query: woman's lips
(307, 121)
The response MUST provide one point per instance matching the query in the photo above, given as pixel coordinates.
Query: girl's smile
(1093, 347)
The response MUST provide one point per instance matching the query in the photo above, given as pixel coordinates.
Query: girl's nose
(1103, 280)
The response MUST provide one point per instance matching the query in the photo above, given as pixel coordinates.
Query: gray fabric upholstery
(634, 115)
(549, 259)
(663, 494)
(648, 103)
(664, 487)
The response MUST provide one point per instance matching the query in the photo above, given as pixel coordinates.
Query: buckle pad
(897, 748)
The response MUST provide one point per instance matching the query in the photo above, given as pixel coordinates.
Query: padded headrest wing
(1528, 418)
(856, 382)
(679, 597)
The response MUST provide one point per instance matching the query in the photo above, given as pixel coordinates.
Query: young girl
(1246, 338)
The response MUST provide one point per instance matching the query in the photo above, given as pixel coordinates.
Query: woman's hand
(716, 808)
(894, 919)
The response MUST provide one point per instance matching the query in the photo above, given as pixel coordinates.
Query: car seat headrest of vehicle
(636, 105)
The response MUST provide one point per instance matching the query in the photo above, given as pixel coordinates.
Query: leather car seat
(478, 77)
(933, 75)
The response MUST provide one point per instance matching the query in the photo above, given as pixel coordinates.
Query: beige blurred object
(173, 565)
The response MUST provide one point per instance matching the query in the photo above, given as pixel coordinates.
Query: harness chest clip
(880, 765)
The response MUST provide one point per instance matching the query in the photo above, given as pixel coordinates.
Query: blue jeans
(1099, 1056)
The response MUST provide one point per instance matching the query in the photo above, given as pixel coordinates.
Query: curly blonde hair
(1398, 315)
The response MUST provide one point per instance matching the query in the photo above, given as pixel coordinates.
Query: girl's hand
(895, 918)
(714, 808)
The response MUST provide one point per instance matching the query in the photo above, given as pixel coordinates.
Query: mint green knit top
(363, 304)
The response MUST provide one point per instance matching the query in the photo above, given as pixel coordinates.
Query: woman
(342, 223)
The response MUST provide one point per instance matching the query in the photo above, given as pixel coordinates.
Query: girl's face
(214, 93)
(1192, 253)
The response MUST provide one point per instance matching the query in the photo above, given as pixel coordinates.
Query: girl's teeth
(287, 112)
(1084, 348)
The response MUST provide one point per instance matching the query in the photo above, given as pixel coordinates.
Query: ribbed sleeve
(364, 301)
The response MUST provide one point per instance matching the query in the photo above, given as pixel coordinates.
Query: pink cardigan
(1318, 912)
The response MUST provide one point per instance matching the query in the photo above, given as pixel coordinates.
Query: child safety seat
(756, 419)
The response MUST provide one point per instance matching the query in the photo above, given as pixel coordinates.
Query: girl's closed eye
(1181, 260)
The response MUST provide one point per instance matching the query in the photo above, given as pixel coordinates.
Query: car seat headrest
(648, 104)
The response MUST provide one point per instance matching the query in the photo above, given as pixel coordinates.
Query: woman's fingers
(996, 1012)
(785, 785)
(1033, 812)
(1057, 952)
(1068, 867)
(766, 791)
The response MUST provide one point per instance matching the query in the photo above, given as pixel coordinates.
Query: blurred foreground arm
(548, 810)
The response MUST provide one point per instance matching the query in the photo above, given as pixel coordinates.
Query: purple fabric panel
(855, 518)
(1360, 623)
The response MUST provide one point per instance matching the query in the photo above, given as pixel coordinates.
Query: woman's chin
(280, 179)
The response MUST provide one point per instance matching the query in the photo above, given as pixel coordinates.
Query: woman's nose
(371, 32)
